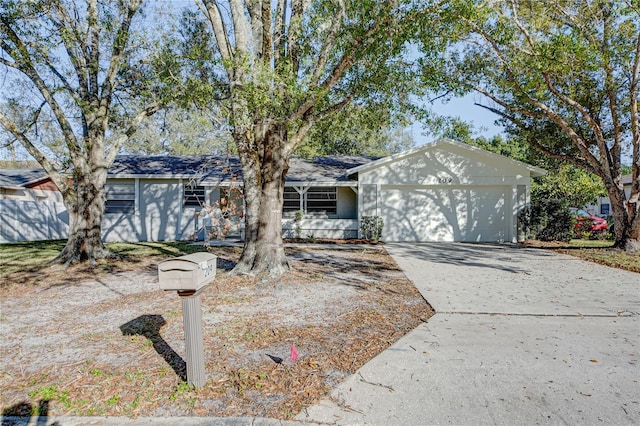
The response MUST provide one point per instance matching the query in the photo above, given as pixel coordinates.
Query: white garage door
(444, 213)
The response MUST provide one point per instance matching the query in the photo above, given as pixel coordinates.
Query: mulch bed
(77, 343)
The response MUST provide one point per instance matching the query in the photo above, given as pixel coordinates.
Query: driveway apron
(521, 336)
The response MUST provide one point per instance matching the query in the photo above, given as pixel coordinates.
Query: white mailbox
(187, 273)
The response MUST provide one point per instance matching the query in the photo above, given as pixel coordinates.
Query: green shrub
(371, 227)
(551, 220)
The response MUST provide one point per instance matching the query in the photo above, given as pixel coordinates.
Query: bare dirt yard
(82, 341)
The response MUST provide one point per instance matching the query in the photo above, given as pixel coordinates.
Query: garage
(444, 213)
(446, 191)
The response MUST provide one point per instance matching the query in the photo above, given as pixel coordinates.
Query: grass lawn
(597, 251)
(35, 255)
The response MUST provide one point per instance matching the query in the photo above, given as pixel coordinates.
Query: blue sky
(464, 108)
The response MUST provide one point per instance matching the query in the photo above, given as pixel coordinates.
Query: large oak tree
(76, 69)
(292, 63)
(566, 73)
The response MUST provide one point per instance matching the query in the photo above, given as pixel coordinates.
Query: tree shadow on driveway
(504, 257)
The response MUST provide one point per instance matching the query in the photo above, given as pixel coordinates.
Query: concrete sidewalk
(522, 336)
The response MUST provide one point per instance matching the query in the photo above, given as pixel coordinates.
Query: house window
(321, 200)
(291, 200)
(193, 196)
(315, 201)
(604, 209)
(120, 198)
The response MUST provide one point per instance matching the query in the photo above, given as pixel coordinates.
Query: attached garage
(444, 214)
(446, 191)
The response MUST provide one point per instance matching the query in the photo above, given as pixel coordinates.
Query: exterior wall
(347, 203)
(158, 214)
(32, 221)
(31, 194)
(321, 228)
(161, 210)
(597, 207)
(343, 227)
(123, 227)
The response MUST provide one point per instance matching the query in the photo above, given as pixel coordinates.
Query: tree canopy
(77, 85)
(289, 65)
(566, 74)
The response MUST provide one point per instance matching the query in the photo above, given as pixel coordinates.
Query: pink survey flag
(294, 353)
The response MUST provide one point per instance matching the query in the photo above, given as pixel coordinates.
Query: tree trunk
(625, 219)
(85, 206)
(264, 177)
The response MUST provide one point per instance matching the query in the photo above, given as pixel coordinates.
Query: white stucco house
(442, 191)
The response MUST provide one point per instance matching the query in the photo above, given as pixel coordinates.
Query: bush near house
(372, 227)
(548, 220)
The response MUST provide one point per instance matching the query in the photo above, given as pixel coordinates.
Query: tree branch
(212, 11)
(117, 51)
(329, 43)
(635, 126)
(25, 65)
(535, 143)
(51, 168)
(79, 62)
(133, 127)
(279, 26)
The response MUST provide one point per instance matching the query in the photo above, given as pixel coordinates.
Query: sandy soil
(108, 342)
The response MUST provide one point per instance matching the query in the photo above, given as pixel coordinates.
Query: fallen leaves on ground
(77, 343)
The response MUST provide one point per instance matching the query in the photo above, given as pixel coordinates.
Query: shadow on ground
(24, 413)
(149, 326)
(480, 255)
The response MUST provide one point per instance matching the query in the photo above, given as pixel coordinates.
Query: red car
(588, 222)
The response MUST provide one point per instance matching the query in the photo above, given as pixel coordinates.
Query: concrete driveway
(521, 336)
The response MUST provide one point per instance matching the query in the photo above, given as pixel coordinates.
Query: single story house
(442, 191)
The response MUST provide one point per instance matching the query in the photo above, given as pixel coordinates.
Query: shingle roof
(330, 168)
(16, 178)
(202, 167)
(213, 169)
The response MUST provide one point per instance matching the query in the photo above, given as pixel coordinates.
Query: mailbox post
(188, 276)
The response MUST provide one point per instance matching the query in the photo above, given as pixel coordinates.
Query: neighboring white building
(602, 206)
(442, 191)
(31, 207)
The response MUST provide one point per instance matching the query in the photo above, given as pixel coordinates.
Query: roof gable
(444, 143)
